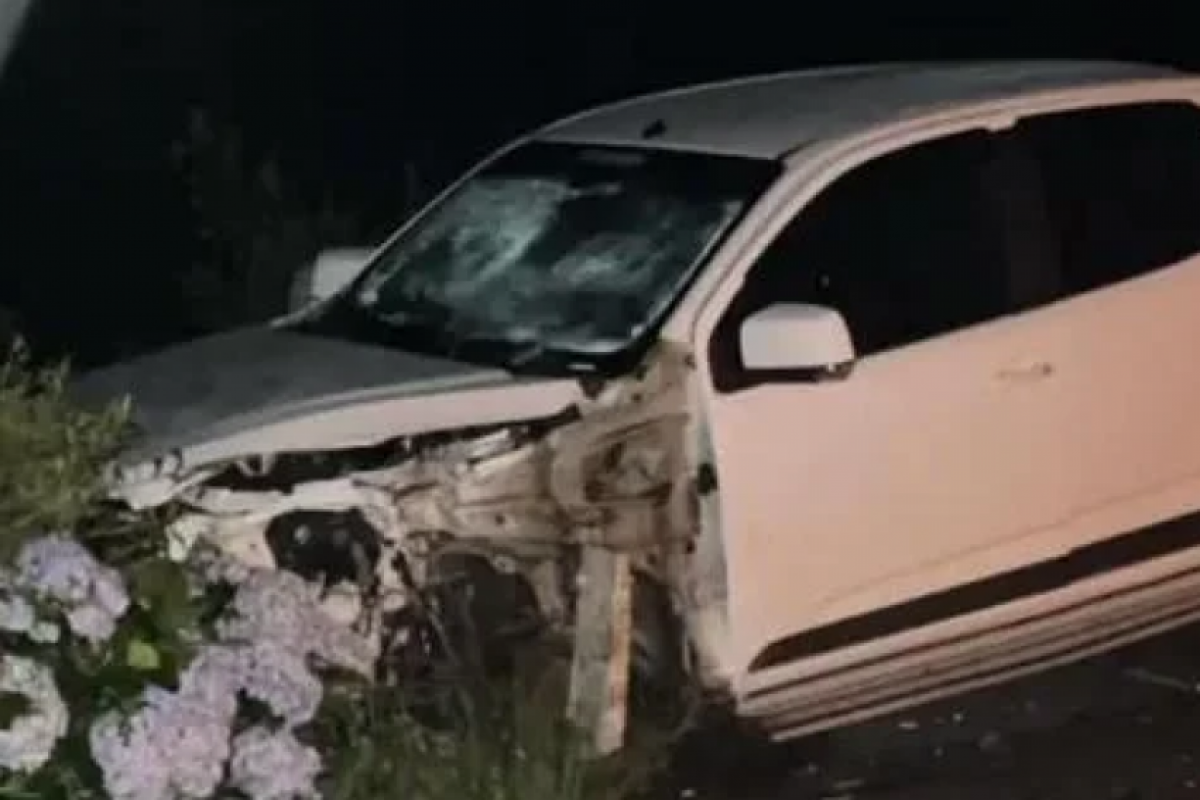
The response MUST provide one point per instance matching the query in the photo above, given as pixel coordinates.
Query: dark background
(369, 105)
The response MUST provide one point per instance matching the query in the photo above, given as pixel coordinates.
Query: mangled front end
(460, 545)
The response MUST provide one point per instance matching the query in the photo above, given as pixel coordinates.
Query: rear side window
(1122, 188)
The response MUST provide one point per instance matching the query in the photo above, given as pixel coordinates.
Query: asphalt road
(1125, 726)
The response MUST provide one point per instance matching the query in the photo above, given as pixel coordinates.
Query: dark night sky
(95, 223)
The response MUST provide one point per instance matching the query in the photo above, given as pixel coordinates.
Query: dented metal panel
(572, 503)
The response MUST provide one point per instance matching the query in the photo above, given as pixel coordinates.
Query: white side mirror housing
(329, 273)
(797, 338)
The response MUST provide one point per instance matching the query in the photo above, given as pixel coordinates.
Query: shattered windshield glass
(558, 247)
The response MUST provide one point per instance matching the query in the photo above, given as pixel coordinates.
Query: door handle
(1027, 372)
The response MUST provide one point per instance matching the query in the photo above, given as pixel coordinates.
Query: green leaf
(161, 587)
(143, 656)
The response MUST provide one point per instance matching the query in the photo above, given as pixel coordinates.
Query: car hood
(267, 389)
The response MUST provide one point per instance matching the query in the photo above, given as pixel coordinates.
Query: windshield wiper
(515, 354)
(419, 309)
(458, 336)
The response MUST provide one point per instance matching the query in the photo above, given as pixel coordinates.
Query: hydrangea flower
(273, 765)
(281, 679)
(60, 569)
(282, 608)
(92, 623)
(43, 632)
(215, 676)
(209, 566)
(178, 743)
(27, 743)
(273, 675)
(16, 614)
(172, 747)
(125, 751)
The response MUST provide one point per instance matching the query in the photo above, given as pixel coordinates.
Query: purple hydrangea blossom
(273, 765)
(281, 679)
(215, 676)
(28, 742)
(17, 614)
(273, 675)
(59, 569)
(284, 609)
(173, 747)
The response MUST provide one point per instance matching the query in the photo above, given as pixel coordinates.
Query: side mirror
(809, 342)
(329, 273)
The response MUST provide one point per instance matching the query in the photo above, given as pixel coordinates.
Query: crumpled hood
(299, 391)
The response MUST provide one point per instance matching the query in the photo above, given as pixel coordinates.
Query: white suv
(876, 380)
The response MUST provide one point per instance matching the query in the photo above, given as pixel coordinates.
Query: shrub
(255, 228)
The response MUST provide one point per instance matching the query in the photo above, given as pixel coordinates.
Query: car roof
(768, 116)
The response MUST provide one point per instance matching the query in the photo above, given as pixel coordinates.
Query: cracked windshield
(556, 247)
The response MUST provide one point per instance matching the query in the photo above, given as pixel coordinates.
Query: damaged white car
(827, 393)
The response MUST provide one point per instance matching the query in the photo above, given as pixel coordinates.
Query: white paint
(795, 336)
(365, 418)
(861, 489)
(767, 116)
(329, 273)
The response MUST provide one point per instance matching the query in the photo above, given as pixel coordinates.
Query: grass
(509, 742)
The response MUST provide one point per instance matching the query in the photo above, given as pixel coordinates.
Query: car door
(1122, 185)
(860, 510)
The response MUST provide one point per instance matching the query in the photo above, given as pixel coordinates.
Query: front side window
(558, 253)
(908, 246)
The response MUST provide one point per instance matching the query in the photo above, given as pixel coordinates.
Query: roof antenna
(654, 129)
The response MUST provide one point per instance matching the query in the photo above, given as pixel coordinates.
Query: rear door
(1122, 188)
